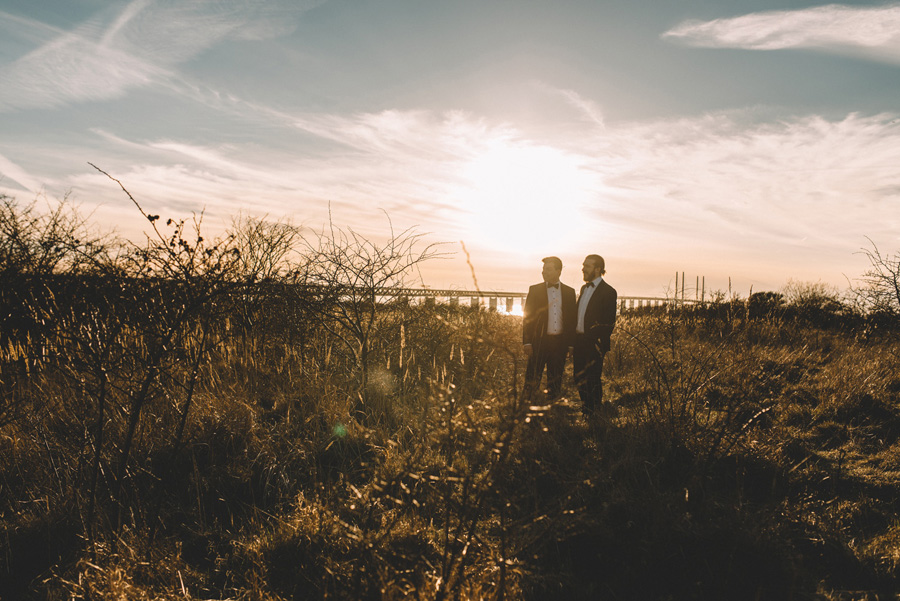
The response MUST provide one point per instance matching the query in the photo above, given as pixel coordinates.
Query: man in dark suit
(548, 329)
(596, 318)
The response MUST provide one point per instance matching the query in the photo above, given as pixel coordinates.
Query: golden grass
(202, 435)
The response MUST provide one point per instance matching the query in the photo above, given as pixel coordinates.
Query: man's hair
(556, 261)
(598, 261)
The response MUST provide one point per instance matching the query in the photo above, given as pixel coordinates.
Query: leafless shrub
(39, 242)
(271, 316)
(40, 252)
(817, 303)
(352, 277)
(878, 289)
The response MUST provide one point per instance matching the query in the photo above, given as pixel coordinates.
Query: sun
(518, 195)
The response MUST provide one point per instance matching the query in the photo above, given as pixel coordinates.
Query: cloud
(720, 178)
(72, 69)
(587, 107)
(413, 155)
(10, 170)
(411, 164)
(869, 31)
(714, 178)
(16, 31)
(171, 32)
(113, 53)
(732, 188)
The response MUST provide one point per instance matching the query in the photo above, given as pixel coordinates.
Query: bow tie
(588, 285)
(556, 285)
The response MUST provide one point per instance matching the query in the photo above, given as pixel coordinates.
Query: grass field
(175, 425)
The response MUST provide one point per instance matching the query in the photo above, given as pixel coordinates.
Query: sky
(747, 144)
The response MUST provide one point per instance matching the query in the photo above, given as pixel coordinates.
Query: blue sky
(755, 140)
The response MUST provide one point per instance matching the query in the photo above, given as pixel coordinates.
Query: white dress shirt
(554, 311)
(583, 301)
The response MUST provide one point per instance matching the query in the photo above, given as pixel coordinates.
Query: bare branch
(880, 284)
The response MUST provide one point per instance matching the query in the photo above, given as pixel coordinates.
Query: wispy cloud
(20, 176)
(711, 186)
(16, 31)
(778, 181)
(872, 31)
(712, 180)
(401, 161)
(589, 108)
(113, 53)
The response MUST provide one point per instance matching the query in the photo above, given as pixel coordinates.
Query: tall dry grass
(186, 419)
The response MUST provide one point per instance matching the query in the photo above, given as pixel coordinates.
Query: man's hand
(528, 350)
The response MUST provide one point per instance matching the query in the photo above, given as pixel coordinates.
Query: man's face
(550, 272)
(590, 270)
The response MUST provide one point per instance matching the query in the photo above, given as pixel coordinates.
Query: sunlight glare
(520, 196)
(518, 311)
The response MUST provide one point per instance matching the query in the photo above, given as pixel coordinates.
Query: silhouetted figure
(548, 329)
(596, 318)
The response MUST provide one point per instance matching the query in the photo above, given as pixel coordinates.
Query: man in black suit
(548, 329)
(596, 318)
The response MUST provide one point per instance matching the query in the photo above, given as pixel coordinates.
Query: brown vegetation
(231, 419)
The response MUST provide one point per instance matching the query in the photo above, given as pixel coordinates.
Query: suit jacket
(534, 325)
(600, 315)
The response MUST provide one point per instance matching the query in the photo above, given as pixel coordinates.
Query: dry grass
(241, 455)
(757, 466)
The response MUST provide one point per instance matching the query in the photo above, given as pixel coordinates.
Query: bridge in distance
(494, 297)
